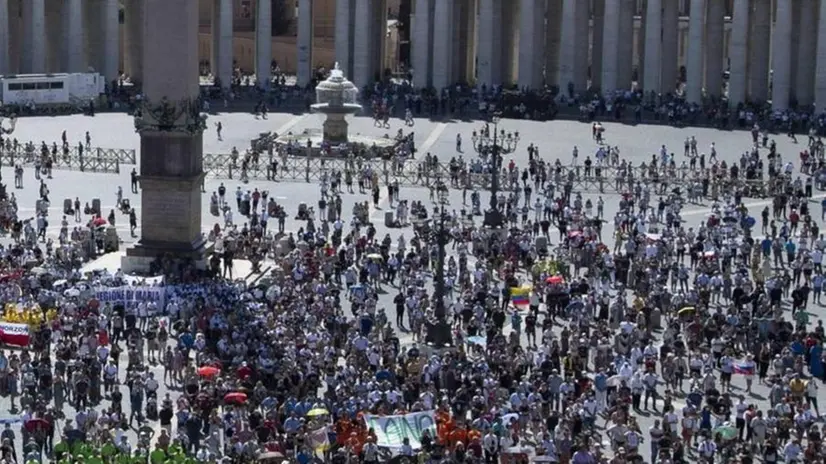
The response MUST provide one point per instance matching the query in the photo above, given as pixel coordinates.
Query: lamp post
(500, 144)
(439, 332)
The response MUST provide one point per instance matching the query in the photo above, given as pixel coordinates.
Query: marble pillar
(597, 33)
(567, 52)
(531, 43)
(610, 46)
(363, 44)
(304, 42)
(111, 41)
(134, 24)
(820, 59)
(510, 39)
(738, 53)
(696, 49)
(625, 47)
(222, 41)
(344, 33)
(670, 46)
(640, 44)
(465, 34)
(553, 29)
(443, 25)
(653, 46)
(471, 51)
(34, 39)
(781, 56)
(582, 28)
(422, 30)
(263, 43)
(715, 42)
(5, 46)
(55, 46)
(15, 36)
(489, 42)
(92, 36)
(804, 84)
(759, 50)
(379, 38)
(171, 128)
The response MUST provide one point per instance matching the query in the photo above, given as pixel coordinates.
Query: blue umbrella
(575, 305)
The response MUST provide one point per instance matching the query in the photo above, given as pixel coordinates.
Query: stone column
(93, 36)
(567, 52)
(670, 49)
(263, 43)
(5, 46)
(510, 39)
(133, 23)
(582, 27)
(55, 45)
(15, 36)
(610, 45)
(111, 43)
(782, 56)
(363, 44)
(171, 161)
(696, 48)
(442, 46)
(344, 36)
(596, 40)
(759, 48)
(715, 38)
(738, 53)
(625, 41)
(34, 39)
(531, 43)
(304, 42)
(422, 27)
(471, 51)
(653, 46)
(553, 29)
(222, 41)
(820, 58)
(489, 42)
(806, 52)
(639, 40)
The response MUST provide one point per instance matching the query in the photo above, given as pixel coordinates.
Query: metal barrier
(412, 173)
(98, 161)
(124, 156)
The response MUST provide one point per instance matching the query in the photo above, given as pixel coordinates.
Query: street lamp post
(500, 144)
(438, 333)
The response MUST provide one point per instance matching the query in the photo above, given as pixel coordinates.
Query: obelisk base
(170, 224)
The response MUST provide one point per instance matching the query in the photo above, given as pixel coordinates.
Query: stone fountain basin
(316, 136)
(326, 108)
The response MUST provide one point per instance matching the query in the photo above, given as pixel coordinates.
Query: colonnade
(700, 48)
(46, 36)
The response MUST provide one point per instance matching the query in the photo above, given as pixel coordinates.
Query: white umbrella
(71, 293)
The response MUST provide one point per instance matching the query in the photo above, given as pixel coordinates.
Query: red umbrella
(235, 397)
(36, 424)
(555, 280)
(208, 371)
(98, 221)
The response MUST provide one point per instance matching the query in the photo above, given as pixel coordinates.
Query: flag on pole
(520, 296)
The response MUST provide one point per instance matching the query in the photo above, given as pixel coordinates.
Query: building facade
(749, 50)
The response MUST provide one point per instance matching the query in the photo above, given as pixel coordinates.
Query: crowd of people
(577, 333)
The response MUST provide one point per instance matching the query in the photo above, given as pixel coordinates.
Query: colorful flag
(319, 439)
(520, 296)
(744, 367)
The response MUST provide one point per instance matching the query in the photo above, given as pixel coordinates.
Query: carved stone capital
(170, 116)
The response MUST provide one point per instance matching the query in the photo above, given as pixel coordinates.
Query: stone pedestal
(171, 128)
(335, 128)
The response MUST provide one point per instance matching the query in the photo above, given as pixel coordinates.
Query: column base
(149, 258)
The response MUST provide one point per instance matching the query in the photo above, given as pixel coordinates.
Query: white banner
(131, 295)
(392, 430)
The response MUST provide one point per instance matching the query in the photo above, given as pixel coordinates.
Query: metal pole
(439, 290)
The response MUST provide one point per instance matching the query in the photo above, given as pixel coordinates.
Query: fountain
(336, 98)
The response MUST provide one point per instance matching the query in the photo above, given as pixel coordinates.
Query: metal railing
(414, 173)
(98, 161)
